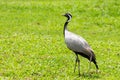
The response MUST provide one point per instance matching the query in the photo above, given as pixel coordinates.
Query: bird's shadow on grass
(91, 75)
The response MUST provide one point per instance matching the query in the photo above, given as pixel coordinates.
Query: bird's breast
(75, 42)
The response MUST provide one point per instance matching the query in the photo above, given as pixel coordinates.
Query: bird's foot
(97, 71)
(74, 71)
(79, 74)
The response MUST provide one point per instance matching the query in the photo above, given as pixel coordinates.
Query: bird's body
(75, 42)
(78, 45)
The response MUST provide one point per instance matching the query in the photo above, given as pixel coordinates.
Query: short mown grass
(32, 42)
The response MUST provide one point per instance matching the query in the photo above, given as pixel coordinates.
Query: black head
(67, 15)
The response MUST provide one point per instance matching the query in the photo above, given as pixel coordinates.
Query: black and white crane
(78, 45)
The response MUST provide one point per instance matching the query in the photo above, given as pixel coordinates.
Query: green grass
(32, 42)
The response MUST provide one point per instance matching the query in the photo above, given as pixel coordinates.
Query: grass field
(32, 43)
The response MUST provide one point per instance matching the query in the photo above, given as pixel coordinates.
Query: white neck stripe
(69, 18)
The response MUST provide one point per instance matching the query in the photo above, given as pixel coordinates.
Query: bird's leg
(76, 62)
(96, 67)
(79, 66)
(90, 63)
(97, 70)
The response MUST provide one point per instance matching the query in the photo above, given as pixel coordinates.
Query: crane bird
(78, 45)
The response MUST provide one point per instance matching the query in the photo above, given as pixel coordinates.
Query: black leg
(90, 63)
(96, 66)
(79, 66)
(75, 62)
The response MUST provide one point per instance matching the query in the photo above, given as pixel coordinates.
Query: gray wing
(77, 44)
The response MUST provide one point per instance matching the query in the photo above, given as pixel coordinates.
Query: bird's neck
(65, 27)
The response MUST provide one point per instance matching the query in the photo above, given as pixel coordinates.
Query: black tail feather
(94, 61)
(88, 57)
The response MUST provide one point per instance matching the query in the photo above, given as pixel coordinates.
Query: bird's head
(68, 15)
